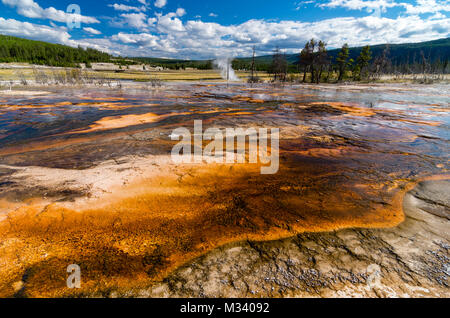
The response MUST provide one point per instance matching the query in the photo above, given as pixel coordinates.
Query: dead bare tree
(382, 63)
(279, 66)
(40, 77)
(306, 58)
(425, 64)
(253, 76)
(321, 60)
(22, 78)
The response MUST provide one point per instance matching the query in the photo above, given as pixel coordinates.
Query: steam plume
(222, 63)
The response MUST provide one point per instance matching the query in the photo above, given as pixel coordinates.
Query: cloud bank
(143, 30)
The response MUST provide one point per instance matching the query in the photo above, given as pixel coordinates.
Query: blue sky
(205, 29)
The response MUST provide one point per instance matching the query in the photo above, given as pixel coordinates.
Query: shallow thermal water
(347, 155)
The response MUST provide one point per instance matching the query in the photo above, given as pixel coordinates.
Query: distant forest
(432, 56)
(400, 58)
(403, 58)
(176, 64)
(13, 49)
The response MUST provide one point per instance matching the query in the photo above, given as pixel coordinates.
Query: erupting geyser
(226, 69)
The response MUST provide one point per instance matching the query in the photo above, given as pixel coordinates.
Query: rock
(432, 197)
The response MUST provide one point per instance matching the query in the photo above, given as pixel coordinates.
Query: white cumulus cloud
(172, 35)
(419, 7)
(198, 39)
(124, 7)
(92, 31)
(160, 3)
(180, 12)
(31, 9)
(135, 20)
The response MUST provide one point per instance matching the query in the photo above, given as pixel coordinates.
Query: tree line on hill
(13, 49)
(316, 64)
(176, 64)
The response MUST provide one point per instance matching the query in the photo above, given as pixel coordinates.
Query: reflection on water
(405, 119)
(348, 153)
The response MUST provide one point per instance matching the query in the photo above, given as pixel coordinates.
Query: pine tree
(305, 59)
(279, 65)
(362, 63)
(321, 60)
(342, 61)
(13, 49)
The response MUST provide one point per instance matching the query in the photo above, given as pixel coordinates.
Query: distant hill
(175, 64)
(13, 49)
(399, 53)
(409, 53)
